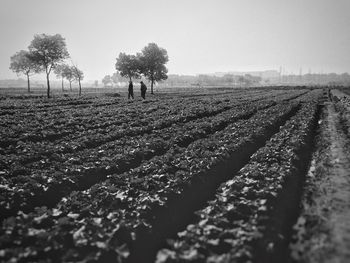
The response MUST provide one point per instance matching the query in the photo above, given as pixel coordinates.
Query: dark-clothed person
(143, 90)
(131, 90)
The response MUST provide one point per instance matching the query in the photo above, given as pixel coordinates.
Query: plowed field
(209, 177)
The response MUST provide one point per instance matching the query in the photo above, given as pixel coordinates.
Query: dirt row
(322, 231)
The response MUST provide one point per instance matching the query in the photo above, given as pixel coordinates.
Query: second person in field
(131, 90)
(143, 90)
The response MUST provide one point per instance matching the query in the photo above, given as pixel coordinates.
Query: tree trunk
(79, 88)
(28, 83)
(62, 85)
(152, 81)
(48, 85)
(70, 85)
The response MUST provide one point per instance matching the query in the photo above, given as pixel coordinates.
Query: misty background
(201, 36)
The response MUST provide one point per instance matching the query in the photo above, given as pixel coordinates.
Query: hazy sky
(201, 36)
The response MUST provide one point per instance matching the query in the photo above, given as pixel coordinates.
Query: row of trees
(150, 63)
(46, 53)
(213, 80)
(114, 79)
(70, 73)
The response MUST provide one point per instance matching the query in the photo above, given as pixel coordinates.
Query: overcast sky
(201, 36)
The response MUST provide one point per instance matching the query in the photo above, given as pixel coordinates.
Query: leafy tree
(67, 72)
(106, 79)
(47, 52)
(249, 80)
(78, 76)
(127, 66)
(152, 63)
(59, 71)
(228, 78)
(116, 78)
(22, 62)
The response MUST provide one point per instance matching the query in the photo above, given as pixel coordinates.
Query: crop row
(15, 104)
(74, 125)
(344, 116)
(250, 218)
(71, 125)
(38, 105)
(342, 105)
(32, 111)
(46, 153)
(65, 130)
(93, 138)
(123, 217)
(44, 182)
(32, 107)
(55, 125)
(314, 94)
(43, 154)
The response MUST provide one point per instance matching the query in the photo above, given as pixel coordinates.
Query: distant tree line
(46, 53)
(212, 80)
(113, 80)
(332, 79)
(246, 80)
(195, 81)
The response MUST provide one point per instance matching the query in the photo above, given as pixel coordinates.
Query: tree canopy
(127, 66)
(116, 78)
(106, 80)
(22, 63)
(47, 51)
(152, 63)
(65, 72)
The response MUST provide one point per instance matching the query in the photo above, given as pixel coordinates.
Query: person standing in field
(143, 90)
(131, 90)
